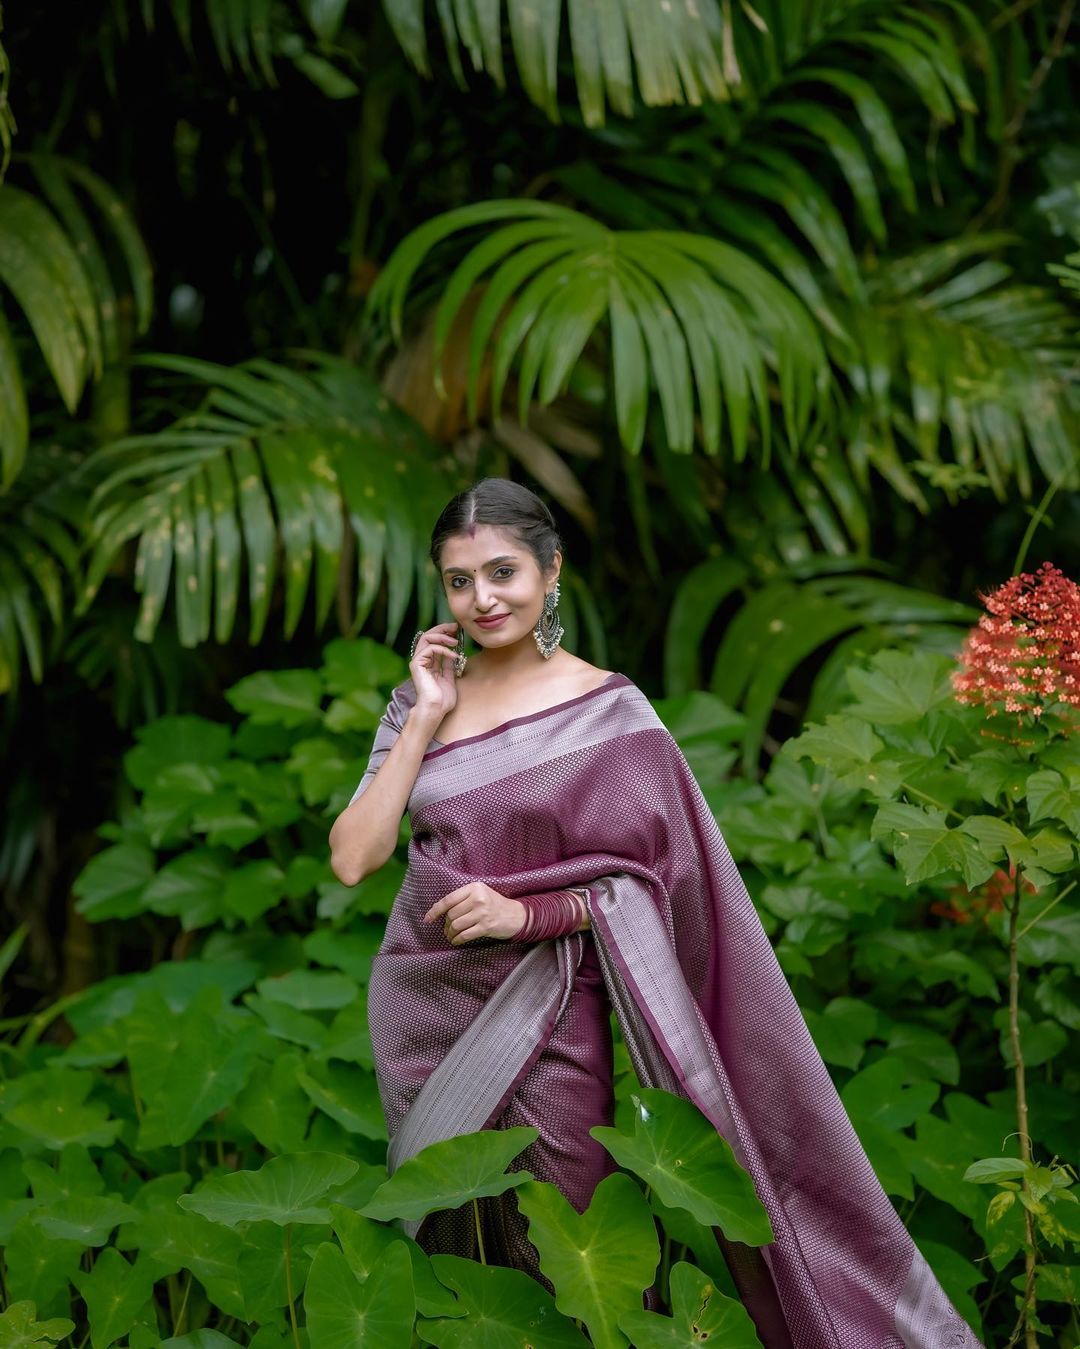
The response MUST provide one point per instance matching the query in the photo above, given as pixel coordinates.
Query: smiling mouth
(492, 618)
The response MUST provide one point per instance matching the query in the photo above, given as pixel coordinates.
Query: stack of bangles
(552, 913)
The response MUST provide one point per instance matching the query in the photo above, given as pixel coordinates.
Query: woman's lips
(492, 622)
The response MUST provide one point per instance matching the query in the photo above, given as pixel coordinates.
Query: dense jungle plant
(236, 1069)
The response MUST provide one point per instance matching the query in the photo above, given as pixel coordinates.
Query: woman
(564, 861)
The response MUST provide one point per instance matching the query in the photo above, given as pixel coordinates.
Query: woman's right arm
(364, 835)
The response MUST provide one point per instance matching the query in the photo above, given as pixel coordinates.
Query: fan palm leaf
(677, 51)
(279, 470)
(53, 261)
(691, 314)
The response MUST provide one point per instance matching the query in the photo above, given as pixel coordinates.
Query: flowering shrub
(1024, 655)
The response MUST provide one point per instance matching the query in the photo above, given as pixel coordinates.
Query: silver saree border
(462, 1092)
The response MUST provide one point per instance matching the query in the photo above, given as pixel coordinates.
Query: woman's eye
(454, 583)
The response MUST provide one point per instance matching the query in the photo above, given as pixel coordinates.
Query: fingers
(442, 905)
(469, 934)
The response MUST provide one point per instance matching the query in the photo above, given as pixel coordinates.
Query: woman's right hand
(432, 669)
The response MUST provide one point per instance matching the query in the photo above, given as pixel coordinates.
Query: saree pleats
(596, 792)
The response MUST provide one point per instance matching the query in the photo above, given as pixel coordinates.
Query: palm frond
(677, 51)
(955, 356)
(54, 263)
(693, 315)
(278, 470)
(42, 518)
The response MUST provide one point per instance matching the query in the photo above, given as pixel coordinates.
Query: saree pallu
(594, 791)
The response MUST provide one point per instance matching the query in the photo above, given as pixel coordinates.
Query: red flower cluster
(964, 905)
(1024, 655)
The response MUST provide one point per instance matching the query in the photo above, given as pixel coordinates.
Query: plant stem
(1033, 525)
(1056, 900)
(479, 1234)
(178, 1328)
(933, 800)
(1021, 1111)
(288, 1285)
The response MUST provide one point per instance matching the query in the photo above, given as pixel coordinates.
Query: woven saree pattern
(593, 796)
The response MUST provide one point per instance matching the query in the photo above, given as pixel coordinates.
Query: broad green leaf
(190, 887)
(600, 1261)
(274, 1106)
(343, 1313)
(176, 1240)
(279, 697)
(901, 687)
(39, 1268)
(310, 990)
(927, 848)
(115, 1293)
(497, 1309)
(51, 1106)
(19, 1327)
(167, 741)
(451, 1173)
(1051, 796)
(348, 1095)
(87, 1219)
(364, 1241)
(263, 1272)
(284, 1190)
(113, 882)
(699, 1312)
(677, 1151)
(993, 1169)
(200, 1339)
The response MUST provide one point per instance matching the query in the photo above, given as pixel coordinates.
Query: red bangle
(552, 913)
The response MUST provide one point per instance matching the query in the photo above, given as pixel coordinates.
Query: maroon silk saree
(492, 1034)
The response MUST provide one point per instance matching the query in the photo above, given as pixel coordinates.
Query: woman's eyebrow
(504, 557)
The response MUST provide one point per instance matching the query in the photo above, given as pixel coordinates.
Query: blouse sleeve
(387, 731)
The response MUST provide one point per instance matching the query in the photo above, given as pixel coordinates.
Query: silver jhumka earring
(548, 631)
(460, 658)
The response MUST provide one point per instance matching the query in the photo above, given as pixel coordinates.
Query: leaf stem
(178, 1328)
(1023, 1320)
(933, 800)
(1033, 525)
(289, 1287)
(479, 1234)
(1056, 900)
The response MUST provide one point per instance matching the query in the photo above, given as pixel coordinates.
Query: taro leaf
(74, 1174)
(51, 1106)
(112, 883)
(286, 1023)
(279, 697)
(680, 1154)
(274, 1106)
(310, 990)
(349, 1096)
(343, 1313)
(503, 1309)
(700, 1312)
(321, 767)
(115, 1294)
(600, 1261)
(39, 1267)
(181, 1088)
(200, 1339)
(448, 1174)
(87, 1219)
(262, 1270)
(284, 1190)
(699, 1240)
(176, 1240)
(19, 1326)
(364, 1241)
(348, 1036)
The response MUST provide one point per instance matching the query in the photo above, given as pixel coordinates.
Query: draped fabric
(491, 1034)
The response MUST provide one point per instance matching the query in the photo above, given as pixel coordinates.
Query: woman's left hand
(476, 910)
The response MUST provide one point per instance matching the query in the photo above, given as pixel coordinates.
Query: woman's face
(488, 572)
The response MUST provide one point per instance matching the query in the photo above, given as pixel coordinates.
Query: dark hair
(507, 505)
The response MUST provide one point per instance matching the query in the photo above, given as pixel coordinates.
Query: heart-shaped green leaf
(503, 1309)
(19, 1326)
(284, 1190)
(700, 1313)
(600, 1261)
(343, 1313)
(448, 1174)
(115, 1293)
(364, 1241)
(689, 1165)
